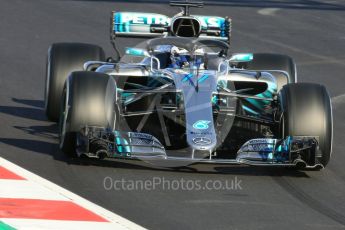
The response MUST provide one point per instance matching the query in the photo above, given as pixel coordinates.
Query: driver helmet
(179, 57)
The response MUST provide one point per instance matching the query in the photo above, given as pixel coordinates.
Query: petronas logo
(201, 124)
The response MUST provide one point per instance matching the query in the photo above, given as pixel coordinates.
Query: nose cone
(197, 90)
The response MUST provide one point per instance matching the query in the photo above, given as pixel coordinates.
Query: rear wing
(135, 24)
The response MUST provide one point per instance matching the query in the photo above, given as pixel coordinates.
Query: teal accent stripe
(249, 110)
(187, 77)
(122, 145)
(203, 78)
(260, 104)
(127, 148)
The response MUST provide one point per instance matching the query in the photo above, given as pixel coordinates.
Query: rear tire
(63, 58)
(267, 61)
(307, 112)
(89, 99)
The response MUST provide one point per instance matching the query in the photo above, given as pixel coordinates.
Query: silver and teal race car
(181, 98)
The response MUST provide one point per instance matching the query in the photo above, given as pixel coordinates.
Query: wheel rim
(46, 95)
(63, 116)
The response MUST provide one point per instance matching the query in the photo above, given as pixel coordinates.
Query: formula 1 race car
(181, 97)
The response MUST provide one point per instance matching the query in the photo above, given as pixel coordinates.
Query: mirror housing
(241, 57)
(136, 52)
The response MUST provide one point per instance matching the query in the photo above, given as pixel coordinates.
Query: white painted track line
(116, 221)
(33, 224)
(27, 190)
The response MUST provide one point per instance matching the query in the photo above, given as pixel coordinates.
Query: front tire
(307, 112)
(89, 99)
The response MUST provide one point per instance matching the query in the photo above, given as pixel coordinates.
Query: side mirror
(244, 57)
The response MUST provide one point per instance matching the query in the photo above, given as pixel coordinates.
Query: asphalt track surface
(313, 32)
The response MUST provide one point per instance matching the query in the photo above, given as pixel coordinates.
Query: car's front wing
(301, 151)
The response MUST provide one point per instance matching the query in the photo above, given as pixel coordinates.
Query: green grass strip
(4, 226)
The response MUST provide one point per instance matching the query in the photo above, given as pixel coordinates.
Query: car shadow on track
(34, 112)
(285, 4)
(24, 112)
(199, 168)
(37, 146)
(33, 103)
(49, 131)
(46, 143)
